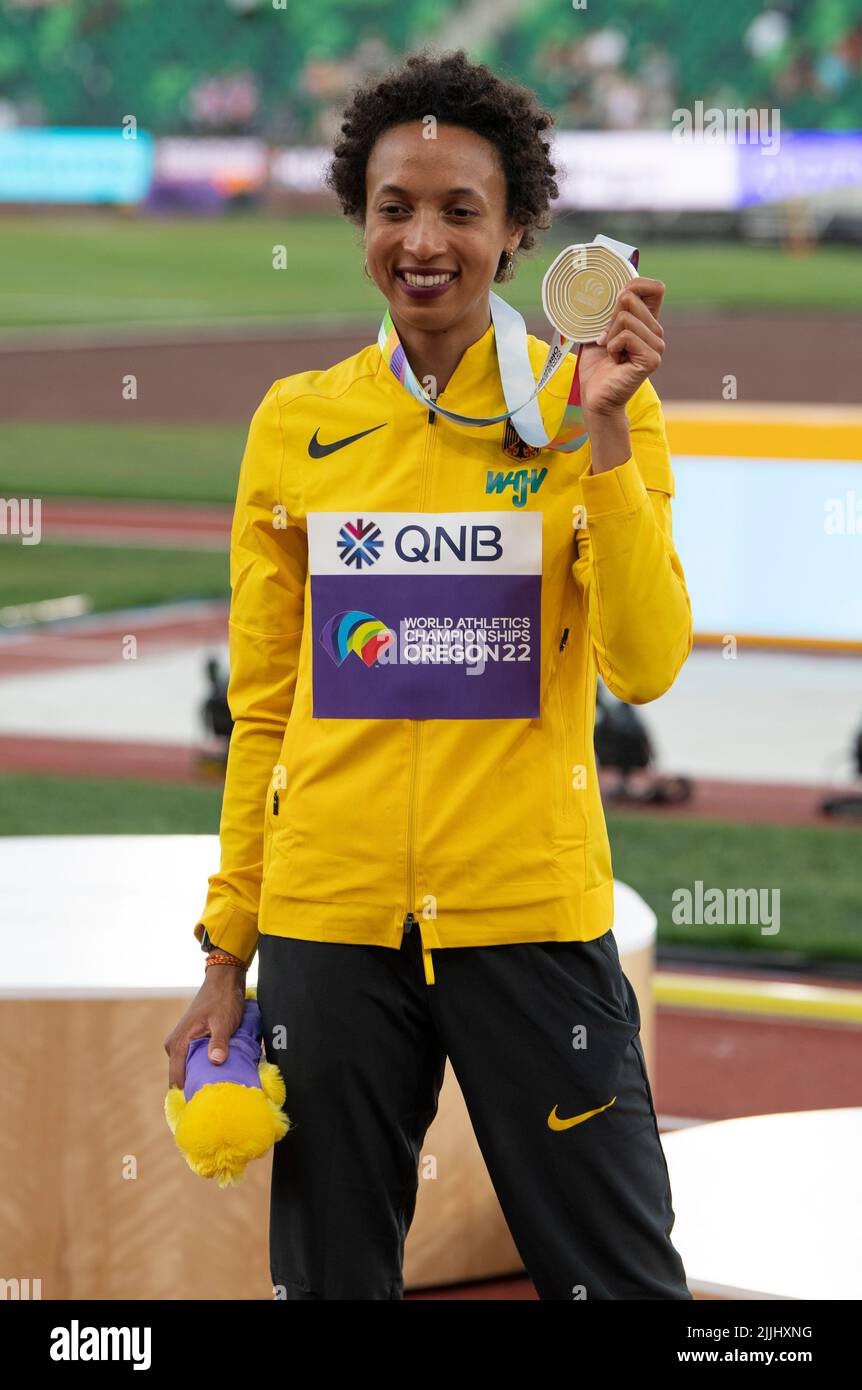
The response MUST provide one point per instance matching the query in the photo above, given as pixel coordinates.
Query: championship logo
(355, 631)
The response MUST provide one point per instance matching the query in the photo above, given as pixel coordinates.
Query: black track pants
(539, 1035)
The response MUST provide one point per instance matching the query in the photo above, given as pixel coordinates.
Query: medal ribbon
(516, 370)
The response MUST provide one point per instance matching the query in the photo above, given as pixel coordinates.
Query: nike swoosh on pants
(554, 1121)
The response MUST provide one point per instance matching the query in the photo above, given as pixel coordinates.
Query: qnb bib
(408, 608)
(579, 292)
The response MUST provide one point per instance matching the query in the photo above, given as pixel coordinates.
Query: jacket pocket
(277, 807)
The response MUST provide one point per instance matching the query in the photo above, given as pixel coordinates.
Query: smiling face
(438, 208)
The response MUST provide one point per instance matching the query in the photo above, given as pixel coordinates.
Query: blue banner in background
(74, 166)
(806, 162)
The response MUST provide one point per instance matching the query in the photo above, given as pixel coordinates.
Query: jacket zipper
(569, 770)
(415, 736)
(415, 743)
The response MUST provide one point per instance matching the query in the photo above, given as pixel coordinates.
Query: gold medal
(580, 288)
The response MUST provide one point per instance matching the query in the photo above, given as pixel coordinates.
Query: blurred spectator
(767, 34)
(225, 103)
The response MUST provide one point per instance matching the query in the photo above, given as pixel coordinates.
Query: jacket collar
(473, 388)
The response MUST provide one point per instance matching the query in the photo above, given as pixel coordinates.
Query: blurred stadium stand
(244, 99)
(245, 67)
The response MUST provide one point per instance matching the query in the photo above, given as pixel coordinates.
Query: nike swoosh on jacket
(395, 664)
(316, 450)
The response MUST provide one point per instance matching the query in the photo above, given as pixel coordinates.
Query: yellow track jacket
(416, 622)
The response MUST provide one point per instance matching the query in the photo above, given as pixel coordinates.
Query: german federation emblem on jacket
(514, 446)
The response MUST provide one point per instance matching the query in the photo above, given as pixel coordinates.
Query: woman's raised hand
(612, 368)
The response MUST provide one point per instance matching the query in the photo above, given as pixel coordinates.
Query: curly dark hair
(457, 92)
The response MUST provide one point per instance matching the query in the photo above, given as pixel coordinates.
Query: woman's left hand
(612, 368)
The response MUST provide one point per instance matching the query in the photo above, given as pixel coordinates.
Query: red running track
(171, 525)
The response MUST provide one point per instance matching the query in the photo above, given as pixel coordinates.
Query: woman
(412, 832)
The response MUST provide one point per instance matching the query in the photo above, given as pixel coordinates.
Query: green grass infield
(816, 870)
(117, 270)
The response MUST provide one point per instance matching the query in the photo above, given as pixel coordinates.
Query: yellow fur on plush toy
(225, 1124)
(223, 1127)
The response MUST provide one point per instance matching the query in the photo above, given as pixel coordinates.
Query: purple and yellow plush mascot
(228, 1113)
